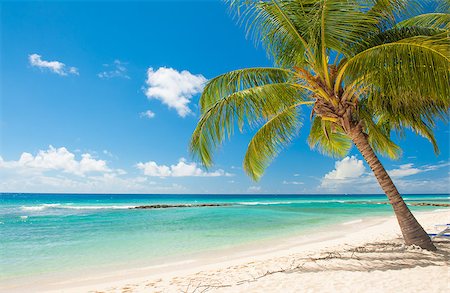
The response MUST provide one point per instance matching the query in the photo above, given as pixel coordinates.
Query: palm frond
(328, 141)
(272, 23)
(412, 112)
(418, 64)
(386, 11)
(269, 140)
(379, 134)
(429, 20)
(344, 23)
(298, 31)
(443, 6)
(335, 25)
(416, 125)
(251, 106)
(238, 80)
(395, 34)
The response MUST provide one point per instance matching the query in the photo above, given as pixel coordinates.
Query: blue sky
(102, 97)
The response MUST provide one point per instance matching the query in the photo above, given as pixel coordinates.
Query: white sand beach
(358, 256)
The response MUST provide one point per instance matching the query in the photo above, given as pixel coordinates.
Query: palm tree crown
(360, 72)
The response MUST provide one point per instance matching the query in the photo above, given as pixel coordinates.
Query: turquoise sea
(47, 233)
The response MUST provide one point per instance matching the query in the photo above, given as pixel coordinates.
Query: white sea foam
(324, 201)
(254, 203)
(41, 207)
(38, 208)
(34, 208)
(73, 207)
(23, 218)
(97, 207)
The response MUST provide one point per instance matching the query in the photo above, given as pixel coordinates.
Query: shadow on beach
(377, 256)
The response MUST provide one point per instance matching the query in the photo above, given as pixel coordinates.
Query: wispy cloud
(174, 88)
(147, 114)
(293, 182)
(116, 69)
(350, 176)
(181, 169)
(103, 183)
(409, 169)
(405, 170)
(254, 189)
(53, 66)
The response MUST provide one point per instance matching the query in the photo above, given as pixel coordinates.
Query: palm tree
(362, 74)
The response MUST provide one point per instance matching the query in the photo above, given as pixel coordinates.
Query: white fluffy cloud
(174, 88)
(59, 170)
(147, 114)
(346, 172)
(348, 167)
(116, 69)
(182, 169)
(54, 66)
(59, 159)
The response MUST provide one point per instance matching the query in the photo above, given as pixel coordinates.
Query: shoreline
(333, 238)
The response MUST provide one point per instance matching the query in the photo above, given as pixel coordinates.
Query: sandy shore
(359, 256)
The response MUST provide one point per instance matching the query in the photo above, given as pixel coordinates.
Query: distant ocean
(46, 233)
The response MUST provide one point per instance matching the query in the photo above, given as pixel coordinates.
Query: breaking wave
(72, 207)
(254, 203)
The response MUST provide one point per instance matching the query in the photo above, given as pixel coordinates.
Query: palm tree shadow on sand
(378, 256)
(381, 256)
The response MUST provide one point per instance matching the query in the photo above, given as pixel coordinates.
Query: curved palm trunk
(412, 231)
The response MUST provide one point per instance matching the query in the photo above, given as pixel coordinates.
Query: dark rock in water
(421, 204)
(166, 206)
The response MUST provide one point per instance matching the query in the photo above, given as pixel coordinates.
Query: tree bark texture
(412, 231)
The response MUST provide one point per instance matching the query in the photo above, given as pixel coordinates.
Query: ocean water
(47, 233)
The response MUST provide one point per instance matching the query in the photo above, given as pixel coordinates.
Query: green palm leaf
(443, 6)
(238, 80)
(343, 23)
(429, 20)
(385, 11)
(379, 133)
(251, 105)
(272, 24)
(414, 112)
(270, 139)
(327, 141)
(391, 36)
(418, 64)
